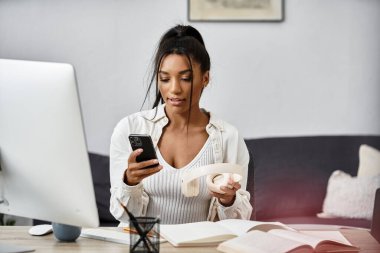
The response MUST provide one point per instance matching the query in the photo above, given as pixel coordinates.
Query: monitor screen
(45, 171)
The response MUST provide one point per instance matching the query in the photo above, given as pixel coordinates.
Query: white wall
(315, 73)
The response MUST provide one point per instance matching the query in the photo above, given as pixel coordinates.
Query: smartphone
(145, 142)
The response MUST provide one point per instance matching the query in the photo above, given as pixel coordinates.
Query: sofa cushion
(291, 173)
(369, 161)
(350, 197)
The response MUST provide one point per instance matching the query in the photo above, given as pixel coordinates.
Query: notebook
(106, 235)
(117, 236)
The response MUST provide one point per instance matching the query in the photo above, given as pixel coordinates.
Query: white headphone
(218, 175)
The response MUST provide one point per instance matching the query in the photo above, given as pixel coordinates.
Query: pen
(134, 231)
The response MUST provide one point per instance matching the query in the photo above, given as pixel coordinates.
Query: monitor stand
(9, 248)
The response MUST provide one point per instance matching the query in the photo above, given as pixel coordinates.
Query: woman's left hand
(228, 197)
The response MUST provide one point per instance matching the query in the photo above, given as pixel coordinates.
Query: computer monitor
(45, 172)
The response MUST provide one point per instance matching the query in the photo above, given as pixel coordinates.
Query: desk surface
(18, 235)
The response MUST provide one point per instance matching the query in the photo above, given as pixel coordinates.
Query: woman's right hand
(137, 171)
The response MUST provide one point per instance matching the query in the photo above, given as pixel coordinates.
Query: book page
(330, 235)
(334, 239)
(198, 232)
(262, 242)
(240, 227)
(296, 236)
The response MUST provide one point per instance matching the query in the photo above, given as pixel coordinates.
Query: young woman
(185, 137)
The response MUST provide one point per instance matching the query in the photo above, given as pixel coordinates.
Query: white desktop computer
(45, 171)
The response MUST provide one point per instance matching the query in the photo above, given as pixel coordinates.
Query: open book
(284, 241)
(255, 236)
(212, 233)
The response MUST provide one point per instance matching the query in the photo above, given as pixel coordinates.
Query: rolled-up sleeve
(236, 152)
(240, 209)
(133, 197)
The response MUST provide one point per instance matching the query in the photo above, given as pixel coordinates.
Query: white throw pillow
(350, 197)
(369, 161)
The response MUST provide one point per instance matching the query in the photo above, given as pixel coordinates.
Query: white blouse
(158, 193)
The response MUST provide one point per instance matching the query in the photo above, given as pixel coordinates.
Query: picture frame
(236, 10)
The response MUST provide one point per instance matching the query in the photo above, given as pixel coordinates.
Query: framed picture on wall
(236, 10)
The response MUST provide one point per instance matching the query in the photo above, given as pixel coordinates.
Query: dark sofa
(291, 175)
(287, 177)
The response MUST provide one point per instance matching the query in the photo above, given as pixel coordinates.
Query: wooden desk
(18, 235)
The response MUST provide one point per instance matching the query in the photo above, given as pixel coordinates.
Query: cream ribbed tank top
(164, 189)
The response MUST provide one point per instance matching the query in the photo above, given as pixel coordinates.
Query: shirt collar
(214, 121)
